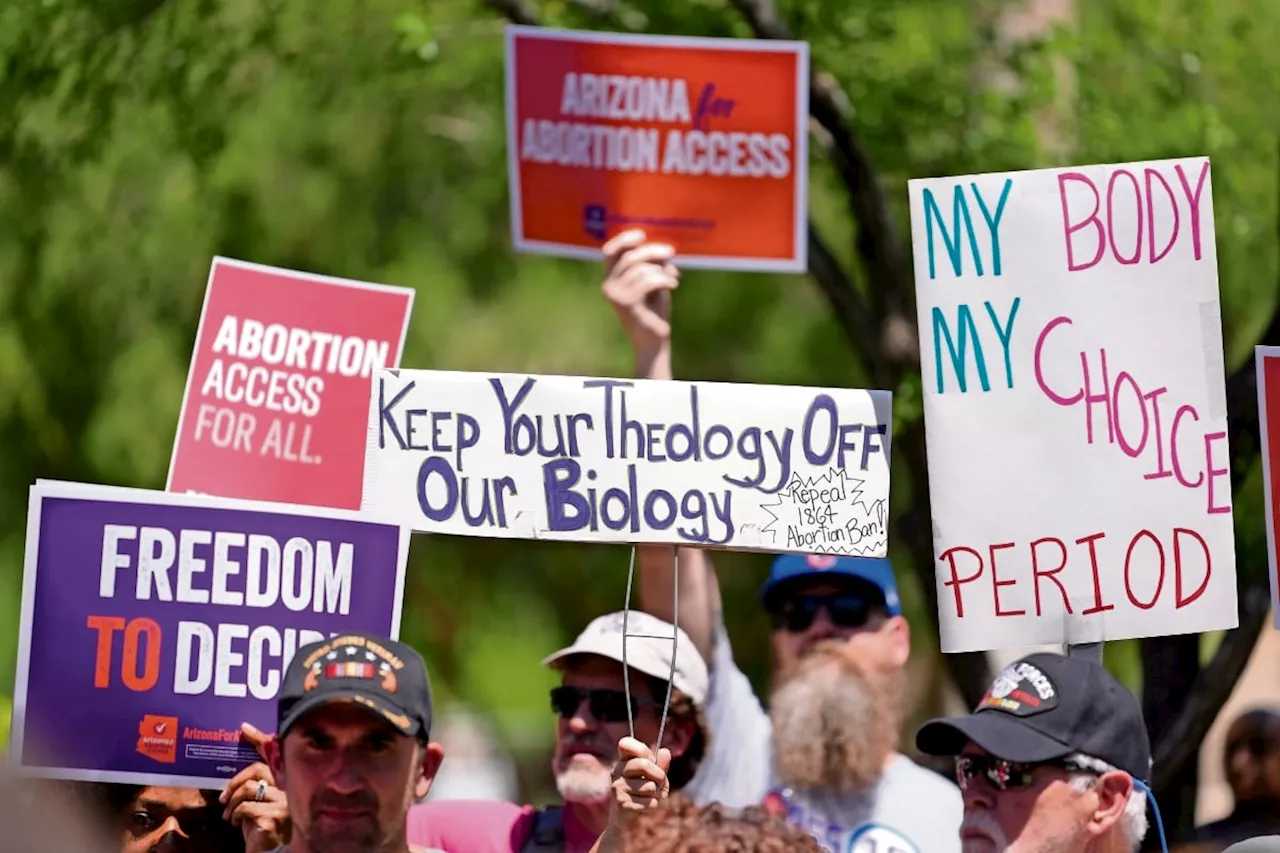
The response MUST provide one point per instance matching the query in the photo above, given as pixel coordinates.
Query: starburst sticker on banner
(827, 514)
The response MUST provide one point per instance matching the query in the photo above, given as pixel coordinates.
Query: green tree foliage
(366, 139)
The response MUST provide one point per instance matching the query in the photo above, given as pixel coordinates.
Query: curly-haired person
(680, 826)
(644, 816)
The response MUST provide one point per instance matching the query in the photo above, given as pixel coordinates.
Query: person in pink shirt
(592, 709)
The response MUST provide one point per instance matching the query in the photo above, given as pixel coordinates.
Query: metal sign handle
(675, 640)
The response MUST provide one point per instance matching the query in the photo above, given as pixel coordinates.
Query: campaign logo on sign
(278, 390)
(158, 738)
(595, 222)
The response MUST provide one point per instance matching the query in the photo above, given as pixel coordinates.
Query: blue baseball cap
(877, 571)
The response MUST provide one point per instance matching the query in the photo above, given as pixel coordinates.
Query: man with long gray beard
(826, 753)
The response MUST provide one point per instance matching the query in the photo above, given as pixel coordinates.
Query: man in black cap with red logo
(352, 751)
(1055, 758)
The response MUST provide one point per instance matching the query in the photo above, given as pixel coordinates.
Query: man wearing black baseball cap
(1056, 757)
(352, 748)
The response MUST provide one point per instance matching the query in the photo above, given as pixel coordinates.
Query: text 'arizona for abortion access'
(702, 142)
(1075, 403)
(608, 460)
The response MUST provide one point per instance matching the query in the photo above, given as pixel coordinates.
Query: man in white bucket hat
(596, 706)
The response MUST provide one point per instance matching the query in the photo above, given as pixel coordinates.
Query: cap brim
(555, 660)
(770, 591)
(372, 703)
(996, 733)
(639, 660)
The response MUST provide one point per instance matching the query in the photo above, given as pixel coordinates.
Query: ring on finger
(262, 791)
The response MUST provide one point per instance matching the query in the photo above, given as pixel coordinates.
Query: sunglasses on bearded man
(796, 613)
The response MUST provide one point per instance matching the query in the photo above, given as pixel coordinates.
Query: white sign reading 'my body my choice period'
(748, 467)
(1075, 404)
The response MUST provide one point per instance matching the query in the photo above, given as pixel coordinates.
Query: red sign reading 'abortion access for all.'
(700, 142)
(278, 392)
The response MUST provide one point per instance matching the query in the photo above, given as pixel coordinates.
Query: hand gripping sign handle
(675, 640)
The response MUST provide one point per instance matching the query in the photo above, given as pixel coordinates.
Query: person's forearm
(699, 589)
(654, 364)
(699, 592)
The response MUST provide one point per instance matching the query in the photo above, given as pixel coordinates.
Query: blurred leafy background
(365, 139)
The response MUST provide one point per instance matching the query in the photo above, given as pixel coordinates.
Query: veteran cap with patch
(1045, 707)
(385, 677)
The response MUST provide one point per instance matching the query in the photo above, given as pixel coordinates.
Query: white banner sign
(749, 467)
(1075, 404)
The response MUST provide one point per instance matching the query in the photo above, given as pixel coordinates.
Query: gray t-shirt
(911, 810)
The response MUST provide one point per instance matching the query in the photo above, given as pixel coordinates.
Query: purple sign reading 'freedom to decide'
(153, 624)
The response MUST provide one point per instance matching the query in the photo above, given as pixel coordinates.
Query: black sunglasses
(1005, 775)
(845, 609)
(607, 706)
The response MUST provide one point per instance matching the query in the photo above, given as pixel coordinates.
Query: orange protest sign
(700, 142)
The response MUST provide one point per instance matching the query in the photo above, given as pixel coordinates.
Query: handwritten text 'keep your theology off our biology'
(696, 150)
(763, 456)
(214, 567)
